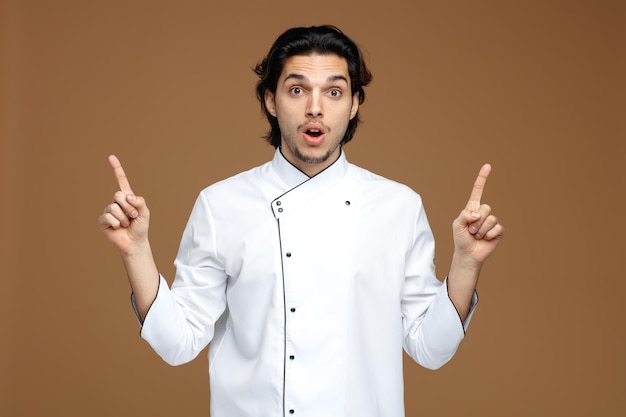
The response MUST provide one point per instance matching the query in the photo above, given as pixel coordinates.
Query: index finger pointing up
(479, 186)
(120, 175)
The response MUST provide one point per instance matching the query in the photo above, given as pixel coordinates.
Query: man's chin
(314, 158)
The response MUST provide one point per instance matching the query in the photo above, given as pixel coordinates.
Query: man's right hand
(125, 221)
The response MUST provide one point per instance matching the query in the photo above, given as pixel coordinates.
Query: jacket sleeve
(432, 326)
(181, 320)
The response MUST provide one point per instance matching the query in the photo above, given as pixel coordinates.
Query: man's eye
(335, 92)
(296, 90)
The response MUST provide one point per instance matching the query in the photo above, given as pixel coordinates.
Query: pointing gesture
(125, 221)
(479, 185)
(477, 232)
(120, 175)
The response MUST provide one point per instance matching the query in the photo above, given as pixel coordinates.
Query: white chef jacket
(307, 289)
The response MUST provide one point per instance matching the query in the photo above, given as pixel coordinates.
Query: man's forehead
(315, 64)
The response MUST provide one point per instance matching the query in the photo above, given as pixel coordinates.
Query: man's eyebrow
(294, 76)
(301, 77)
(333, 78)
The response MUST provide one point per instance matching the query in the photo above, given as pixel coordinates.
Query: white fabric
(307, 290)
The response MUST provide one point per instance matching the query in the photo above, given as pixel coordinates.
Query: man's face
(313, 104)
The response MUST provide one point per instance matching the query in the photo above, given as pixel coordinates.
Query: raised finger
(479, 185)
(120, 175)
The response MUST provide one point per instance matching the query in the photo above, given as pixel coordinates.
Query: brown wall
(537, 88)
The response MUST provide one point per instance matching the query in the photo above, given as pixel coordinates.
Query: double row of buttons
(280, 209)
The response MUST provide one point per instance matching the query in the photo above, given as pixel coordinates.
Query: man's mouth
(314, 132)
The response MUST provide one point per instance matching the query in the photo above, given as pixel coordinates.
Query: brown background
(537, 88)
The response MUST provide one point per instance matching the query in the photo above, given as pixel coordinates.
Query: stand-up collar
(302, 189)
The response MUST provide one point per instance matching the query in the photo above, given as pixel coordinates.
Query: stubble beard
(313, 159)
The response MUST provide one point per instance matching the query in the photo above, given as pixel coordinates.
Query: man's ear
(355, 105)
(270, 103)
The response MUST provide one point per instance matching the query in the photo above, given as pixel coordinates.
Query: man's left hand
(477, 232)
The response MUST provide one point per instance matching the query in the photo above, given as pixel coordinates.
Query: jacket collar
(300, 188)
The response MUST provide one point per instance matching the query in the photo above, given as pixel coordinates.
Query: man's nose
(314, 105)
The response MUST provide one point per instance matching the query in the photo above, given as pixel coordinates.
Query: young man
(307, 274)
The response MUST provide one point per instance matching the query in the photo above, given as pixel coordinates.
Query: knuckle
(114, 208)
(119, 196)
(108, 220)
